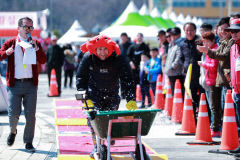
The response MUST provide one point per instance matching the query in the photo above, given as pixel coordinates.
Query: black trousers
(145, 92)
(68, 73)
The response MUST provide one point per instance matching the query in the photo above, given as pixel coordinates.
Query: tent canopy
(73, 34)
(131, 22)
(157, 16)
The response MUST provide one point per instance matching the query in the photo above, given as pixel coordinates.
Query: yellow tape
(71, 121)
(74, 157)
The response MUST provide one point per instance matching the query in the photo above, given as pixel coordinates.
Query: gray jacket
(174, 64)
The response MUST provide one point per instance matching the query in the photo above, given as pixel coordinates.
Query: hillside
(63, 12)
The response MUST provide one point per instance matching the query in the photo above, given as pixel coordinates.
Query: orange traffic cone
(203, 133)
(159, 100)
(177, 110)
(169, 101)
(152, 95)
(229, 132)
(188, 121)
(138, 94)
(53, 85)
(146, 101)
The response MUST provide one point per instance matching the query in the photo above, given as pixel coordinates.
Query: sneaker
(93, 151)
(142, 106)
(149, 105)
(11, 138)
(216, 134)
(29, 147)
(112, 142)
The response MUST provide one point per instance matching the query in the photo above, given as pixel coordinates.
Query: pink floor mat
(83, 145)
(72, 103)
(70, 113)
(73, 129)
(75, 144)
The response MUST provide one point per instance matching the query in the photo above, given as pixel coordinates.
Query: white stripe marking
(203, 103)
(177, 100)
(169, 96)
(53, 82)
(203, 114)
(177, 91)
(229, 119)
(158, 92)
(229, 105)
(188, 108)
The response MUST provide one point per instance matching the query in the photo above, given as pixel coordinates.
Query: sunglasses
(168, 36)
(28, 27)
(234, 31)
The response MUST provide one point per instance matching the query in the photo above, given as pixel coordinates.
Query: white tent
(188, 18)
(74, 34)
(180, 18)
(131, 22)
(173, 17)
(165, 14)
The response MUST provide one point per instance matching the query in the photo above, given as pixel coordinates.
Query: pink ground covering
(83, 145)
(72, 103)
(75, 144)
(70, 113)
(73, 128)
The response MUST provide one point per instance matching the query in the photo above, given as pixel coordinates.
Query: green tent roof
(136, 20)
(163, 22)
(171, 23)
(153, 21)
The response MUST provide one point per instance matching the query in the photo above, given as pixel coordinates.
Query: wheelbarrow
(111, 126)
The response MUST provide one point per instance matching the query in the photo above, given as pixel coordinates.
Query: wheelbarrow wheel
(103, 152)
(138, 154)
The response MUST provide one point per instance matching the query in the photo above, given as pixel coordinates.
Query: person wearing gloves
(99, 73)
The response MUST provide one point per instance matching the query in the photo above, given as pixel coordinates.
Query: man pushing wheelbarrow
(98, 77)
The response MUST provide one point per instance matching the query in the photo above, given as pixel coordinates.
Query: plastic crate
(100, 123)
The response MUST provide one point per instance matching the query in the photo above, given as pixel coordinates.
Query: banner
(188, 80)
(9, 20)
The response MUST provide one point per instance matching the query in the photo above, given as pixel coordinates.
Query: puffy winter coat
(154, 70)
(234, 55)
(190, 54)
(211, 66)
(223, 55)
(101, 78)
(174, 63)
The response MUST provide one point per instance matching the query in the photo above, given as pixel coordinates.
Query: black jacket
(124, 48)
(190, 54)
(101, 78)
(135, 51)
(55, 56)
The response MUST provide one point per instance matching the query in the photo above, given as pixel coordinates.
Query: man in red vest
(22, 80)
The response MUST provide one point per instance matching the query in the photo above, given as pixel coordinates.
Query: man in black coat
(55, 59)
(134, 56)
(190, 55)
(124, 45)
